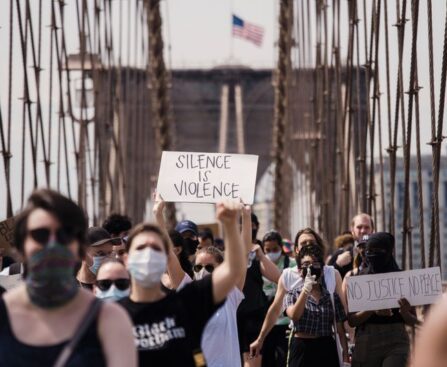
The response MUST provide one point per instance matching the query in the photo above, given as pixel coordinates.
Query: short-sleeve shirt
(220, 342)
(318, 317)
(167, 332)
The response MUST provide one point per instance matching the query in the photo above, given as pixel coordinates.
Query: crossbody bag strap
(90, 316)
(337, 338)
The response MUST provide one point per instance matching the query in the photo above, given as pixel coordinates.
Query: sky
(197, 34)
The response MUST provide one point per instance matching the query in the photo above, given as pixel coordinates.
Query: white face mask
(274, 256)
(112, 294)
(201, 274)
(147, 266)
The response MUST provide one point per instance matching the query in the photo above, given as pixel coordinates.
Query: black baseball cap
(97, 236)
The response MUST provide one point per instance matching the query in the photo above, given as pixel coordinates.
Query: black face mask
(378, 263)
(313, 271)
(191, 245)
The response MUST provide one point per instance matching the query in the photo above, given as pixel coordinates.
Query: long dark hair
(318, 239)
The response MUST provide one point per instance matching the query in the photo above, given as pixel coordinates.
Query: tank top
(14, 353)
(255, 298)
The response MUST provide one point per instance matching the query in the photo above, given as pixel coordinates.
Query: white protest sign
(207, 177)
(382, 291)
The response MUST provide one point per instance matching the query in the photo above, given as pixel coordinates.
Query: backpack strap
(91, 314)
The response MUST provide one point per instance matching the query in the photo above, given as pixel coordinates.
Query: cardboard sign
(382, 291)
(6, 233)
(207, 177)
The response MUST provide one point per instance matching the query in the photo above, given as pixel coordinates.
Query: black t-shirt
(255, 299)
(167, 332)
(343, 270)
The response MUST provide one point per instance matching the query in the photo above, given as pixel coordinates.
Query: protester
(168, 327)
(254, 229)
(118, 226)
(289, 280)
(206, 239)
(252, 309)
(343, 257)
(313, 311)
(274, 352)
(431, 344)
(181, 252)
(381, 338)
(112, 281)
(41, 319)
(100, 248)
(189, 232)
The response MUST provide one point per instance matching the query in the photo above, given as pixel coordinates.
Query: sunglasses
(307, 243)
(209, 268)
(42, 235)
(122, 284)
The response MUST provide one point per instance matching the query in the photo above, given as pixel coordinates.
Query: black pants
(320, 352)
(274, 351)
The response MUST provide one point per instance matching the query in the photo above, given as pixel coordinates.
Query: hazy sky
(198, 34)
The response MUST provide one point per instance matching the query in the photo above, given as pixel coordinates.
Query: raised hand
(309, 282)
(228, 212)
(344, 259)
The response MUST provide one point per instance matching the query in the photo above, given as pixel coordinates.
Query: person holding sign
(168, 327)
(381, 338)
(313, 311)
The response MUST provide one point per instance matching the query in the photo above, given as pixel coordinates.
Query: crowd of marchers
(127, 294)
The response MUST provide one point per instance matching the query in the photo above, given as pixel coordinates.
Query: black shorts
(313, 352)
(248, 327)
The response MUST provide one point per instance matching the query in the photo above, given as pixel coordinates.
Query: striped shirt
(318, 317)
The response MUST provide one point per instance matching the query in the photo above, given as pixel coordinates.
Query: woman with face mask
(168, 327)
(380, 337)
(313, 313)
(274, 352)
(41, 317)
(112, 281)
(289, 280)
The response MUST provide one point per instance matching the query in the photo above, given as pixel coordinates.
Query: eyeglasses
(105, 284)
(42, 235)
(209, 268)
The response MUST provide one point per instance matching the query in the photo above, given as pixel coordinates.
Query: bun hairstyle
(70, 216)
(313, 251)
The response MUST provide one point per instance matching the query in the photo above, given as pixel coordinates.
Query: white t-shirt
(220, 342)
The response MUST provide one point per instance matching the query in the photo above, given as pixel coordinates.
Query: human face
(119, 252)
(40, 218)
(271, 246)
(205, 260)
(189, 234)
(112, 271)
(313, 263)
(147, 239)
(361, 226)
(104, 250)
(305, 239)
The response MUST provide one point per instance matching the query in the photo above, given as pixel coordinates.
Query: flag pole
(231, 30)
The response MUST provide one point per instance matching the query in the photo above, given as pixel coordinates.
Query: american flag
(248, 31)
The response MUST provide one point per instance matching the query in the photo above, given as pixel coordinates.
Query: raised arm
(246, 238)
(268, 268)
(175, 271)
(271, 317)
(227, 275)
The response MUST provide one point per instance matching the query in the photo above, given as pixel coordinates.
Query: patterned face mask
(50, 280)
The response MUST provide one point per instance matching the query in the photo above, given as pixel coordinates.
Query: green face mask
(50, 279)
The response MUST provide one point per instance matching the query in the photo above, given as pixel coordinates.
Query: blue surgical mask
(112, 294)
(97, 261)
